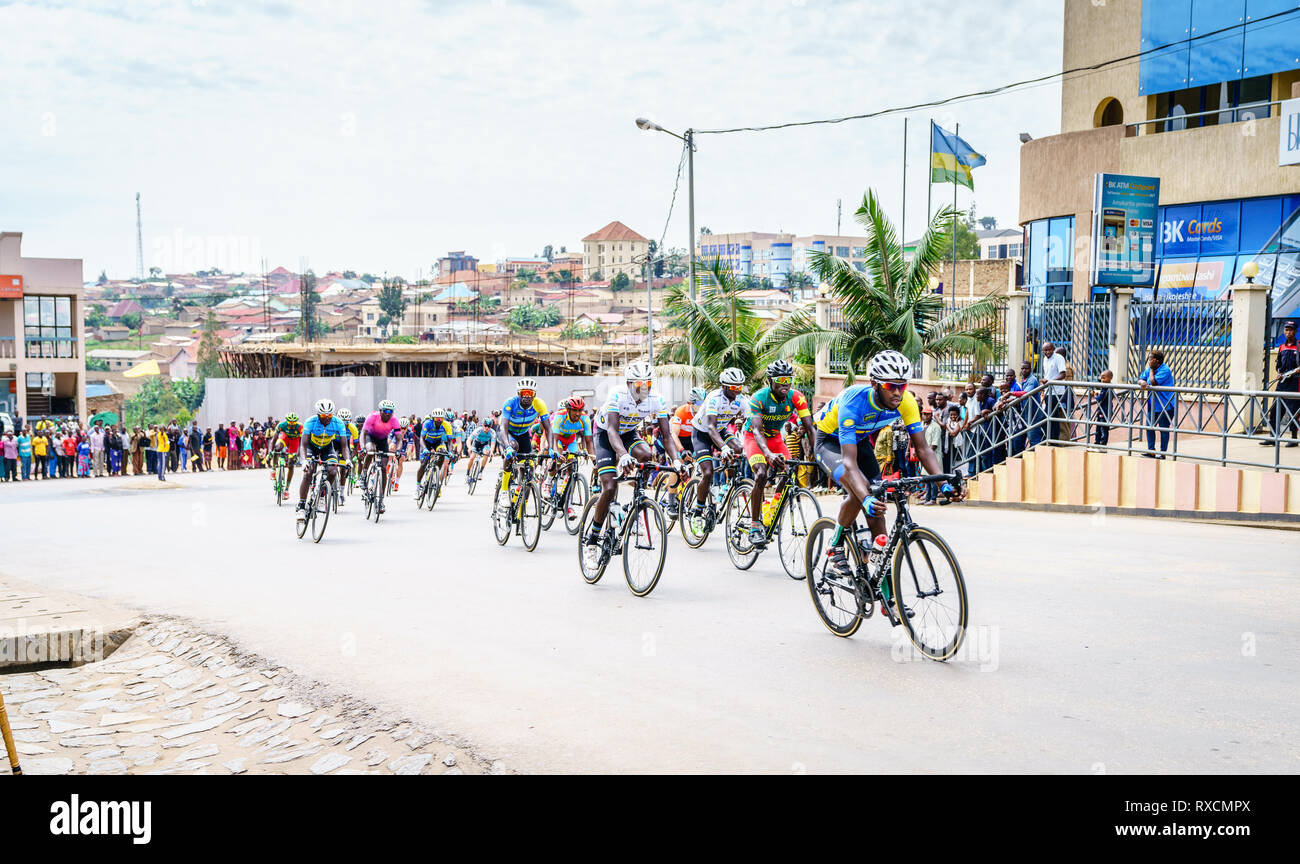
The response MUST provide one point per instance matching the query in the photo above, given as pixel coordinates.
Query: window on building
(859, 251)
(1231, 102)
(1049, 273)
(47, 326)
(1013, 250)
(841, 251)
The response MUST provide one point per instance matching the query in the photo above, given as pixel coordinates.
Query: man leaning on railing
(1288, 370)
(1160, 406)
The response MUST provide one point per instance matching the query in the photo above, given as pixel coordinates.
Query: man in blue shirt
(1032, 410)
(1160, 406)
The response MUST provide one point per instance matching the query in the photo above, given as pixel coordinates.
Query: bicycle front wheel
(592, 560)
(800, 512)
(501, 523)
(324, 494)
(692, 526)
(530, 515)
(665, 495)
(279, 486)
(736, 523)
(549, 484)
(836, 598)
(645, 547)
(929, 593)
(575, 499)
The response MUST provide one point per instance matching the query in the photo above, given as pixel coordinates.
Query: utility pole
(139, 242)
(839, 211)
(690, 249)
(303, 300)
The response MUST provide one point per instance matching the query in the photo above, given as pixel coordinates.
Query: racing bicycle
(637, 530)
(564, 491)
(321, 498)
(915, 577)
(518, 510)
(787, 517)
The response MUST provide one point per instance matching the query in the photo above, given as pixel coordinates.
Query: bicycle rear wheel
(926, 579)
(836, 599)
(575, 499)
(800, 512)
(736, 523)
(665, 495)
(645, 547)
(592, 560)
(501, 523)
(530, 515)
(692, 526)
(548, 485)
(321, 504)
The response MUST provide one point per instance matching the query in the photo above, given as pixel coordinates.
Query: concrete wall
(976, 279)
(238, 399)
(1095, 32)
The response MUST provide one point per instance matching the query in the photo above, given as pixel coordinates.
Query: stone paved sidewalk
(175, 700)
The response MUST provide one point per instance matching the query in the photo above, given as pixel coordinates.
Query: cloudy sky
(378, 135)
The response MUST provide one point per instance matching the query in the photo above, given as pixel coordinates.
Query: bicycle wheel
(645, 547)
(280, 483)
(736, 522)
(575, 499)
(321, 504)
(530, 515)
(836, 599)
(692, 526)
(501, 523)
(367, 493)
(665, 495)
(592, 560)
(300, 528)
(800, 512)
(546, 497)
(926, 579)
(378, 492)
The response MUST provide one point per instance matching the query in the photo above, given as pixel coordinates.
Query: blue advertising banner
(1124, 230)
(1196, 229)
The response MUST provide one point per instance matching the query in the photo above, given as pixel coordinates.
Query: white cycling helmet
(345, 415)
(325, 406)
(698, 395)
(437, 414)
(388, 405)
(732, 377)
(526, 384)
(889, 366)
(639, 370)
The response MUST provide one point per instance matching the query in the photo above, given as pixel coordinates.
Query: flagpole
(929, 182)
(953, 292)
(903, 222)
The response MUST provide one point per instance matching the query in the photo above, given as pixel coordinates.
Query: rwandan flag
(951, 159)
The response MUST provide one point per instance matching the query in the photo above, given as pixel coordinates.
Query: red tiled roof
(614, 231)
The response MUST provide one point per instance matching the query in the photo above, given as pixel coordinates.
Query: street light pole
(689, 140)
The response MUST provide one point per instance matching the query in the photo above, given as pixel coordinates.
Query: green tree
(155, 403)
(656, 262)
(621, 282)
(548, 252)
(349, 274)
(131, 320)
(529, 317)
(190, 392)
(392, 303)
(209, 349)
(989, 223)
(597, 277)
(890, 305)
(310, 299)
(94, 364)
(797, 281)
(103, 277)
(401, 340)
(95, 317)
(968, 243)
(589, 330)
(720, 324)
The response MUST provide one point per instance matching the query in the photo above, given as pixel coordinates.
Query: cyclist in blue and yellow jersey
(436, 436)
(721, 407)
(518, 414)
(769, 408)
(351, 428)
(845, 451)
(571, 429)
(322, 436)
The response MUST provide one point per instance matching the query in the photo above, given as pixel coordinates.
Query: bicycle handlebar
(887, 486)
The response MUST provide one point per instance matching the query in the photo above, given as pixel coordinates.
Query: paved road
(1100, 644)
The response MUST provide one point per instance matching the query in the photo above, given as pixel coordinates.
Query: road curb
(41, 626)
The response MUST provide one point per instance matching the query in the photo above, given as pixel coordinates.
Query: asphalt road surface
(1099, 644)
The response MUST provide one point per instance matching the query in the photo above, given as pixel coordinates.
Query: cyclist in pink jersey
(375, 433)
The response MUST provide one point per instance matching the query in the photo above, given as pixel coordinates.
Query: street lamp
(689, 140)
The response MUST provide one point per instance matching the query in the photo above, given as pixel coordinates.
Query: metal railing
(52, 347)
(1238, 115)
(1195, 336)
(1199, 424)
(8, 348)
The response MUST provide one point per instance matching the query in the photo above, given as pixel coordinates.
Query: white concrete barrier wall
(238, 399)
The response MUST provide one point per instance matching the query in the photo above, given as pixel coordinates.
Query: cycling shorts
(481, 447)
(292, 444)
(380, 444)
(702, 444)
(606, 458)
(571, 443)
(523, 442)
(831, 458)
(320, 451)
(755, 456)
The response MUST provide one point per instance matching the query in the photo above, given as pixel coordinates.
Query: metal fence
(1245, 428)
(1080, 331)
(1195, 336)
(964, 367)
(839, 357)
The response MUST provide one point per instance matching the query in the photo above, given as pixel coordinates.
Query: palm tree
(719, 323)
(889, 305)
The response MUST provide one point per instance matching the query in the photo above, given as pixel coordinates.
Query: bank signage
(1196, 229)
(1124, 215)
(11, 287)
(1288, 145)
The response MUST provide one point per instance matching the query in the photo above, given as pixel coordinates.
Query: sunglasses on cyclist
(784, 379)
(896, 386)
(527, 394)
